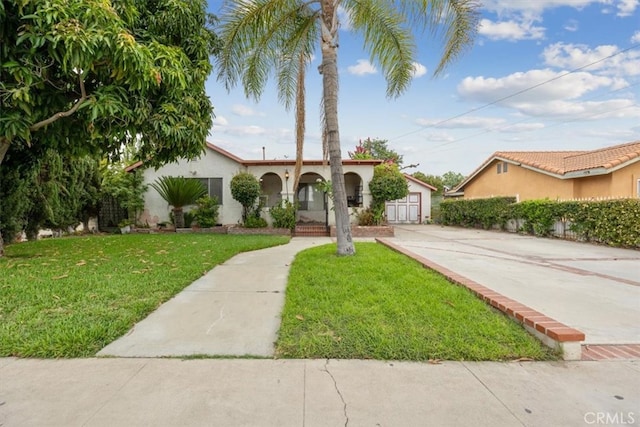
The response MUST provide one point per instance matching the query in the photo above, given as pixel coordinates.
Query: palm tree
(263, 35)
(179, 192)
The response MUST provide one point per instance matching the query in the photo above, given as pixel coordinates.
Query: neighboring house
(216, 167)
(611, 172)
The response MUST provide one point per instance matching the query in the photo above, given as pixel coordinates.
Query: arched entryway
(312, 201)
(353, 186)
(271, 188)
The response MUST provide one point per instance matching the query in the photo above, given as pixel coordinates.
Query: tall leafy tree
(376, 149)
(261, 36)
(87, 76)
(433, 180)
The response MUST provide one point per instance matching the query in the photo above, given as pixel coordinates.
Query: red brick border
(558, 333)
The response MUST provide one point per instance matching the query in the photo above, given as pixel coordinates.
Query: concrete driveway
(593, 288)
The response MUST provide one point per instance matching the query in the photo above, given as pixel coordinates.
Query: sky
(542, 75)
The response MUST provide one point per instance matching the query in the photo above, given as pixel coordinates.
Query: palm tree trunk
(178, 217)
(329, 69)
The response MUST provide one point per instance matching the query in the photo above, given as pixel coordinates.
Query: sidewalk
(233, 310)
(308, 393)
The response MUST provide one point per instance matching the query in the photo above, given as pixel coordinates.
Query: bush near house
(611, 222)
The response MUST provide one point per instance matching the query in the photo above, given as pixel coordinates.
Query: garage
(405, 211)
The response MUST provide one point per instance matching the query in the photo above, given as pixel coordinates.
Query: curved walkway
(233, 310)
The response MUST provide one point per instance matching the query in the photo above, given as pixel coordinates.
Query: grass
(382, 305)
(70, 297)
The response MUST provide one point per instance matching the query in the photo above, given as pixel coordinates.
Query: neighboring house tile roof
(565, 164)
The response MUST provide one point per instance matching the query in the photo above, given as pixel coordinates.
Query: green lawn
(382, 305)
(70, 297)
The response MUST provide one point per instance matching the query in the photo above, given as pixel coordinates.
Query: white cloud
(627, 7)
(220, 121)
(511, 30)
(570, 86)
(465, 122)
(440, 137)
(521, 127)
(245, 111)
(636, 37)
(571, 25)
(363, 67)
(419, 70)
(587, 110)
(536, 7)
(572, 56)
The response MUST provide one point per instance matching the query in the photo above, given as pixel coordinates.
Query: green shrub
(206, 214)
(255, 222)
(611, 222)
(245, 188)
(284, 215)
(368, 217)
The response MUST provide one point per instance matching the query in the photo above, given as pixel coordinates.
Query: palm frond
(389, 41)
(178, 191)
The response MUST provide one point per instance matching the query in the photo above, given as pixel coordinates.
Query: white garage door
(405, 210)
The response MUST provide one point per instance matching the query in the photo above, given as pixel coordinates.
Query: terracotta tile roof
(561, 162)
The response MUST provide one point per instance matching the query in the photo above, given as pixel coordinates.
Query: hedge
(612, 222)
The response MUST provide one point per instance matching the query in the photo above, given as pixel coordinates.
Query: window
(638, 189)
(499, 167)
(213, 186)
(502, 167)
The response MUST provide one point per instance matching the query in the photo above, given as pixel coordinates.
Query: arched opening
(271, 188)
(353, 186)
(312, 201)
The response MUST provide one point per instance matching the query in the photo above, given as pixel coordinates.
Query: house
(610, 172)
(216, 167)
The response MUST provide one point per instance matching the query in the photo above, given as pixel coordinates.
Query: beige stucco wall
(210, 165)
(527, 184)
(624, 182)
(518, 182)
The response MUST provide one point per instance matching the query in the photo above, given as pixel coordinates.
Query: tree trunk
(178, 217)
(329, 69)
(4, 147)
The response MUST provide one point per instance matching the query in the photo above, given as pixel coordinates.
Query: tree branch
(81, 100)
(4, 147)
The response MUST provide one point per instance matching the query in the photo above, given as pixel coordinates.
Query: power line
(546, 127)
(482, 107)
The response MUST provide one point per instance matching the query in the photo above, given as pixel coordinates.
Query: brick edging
(552, 333)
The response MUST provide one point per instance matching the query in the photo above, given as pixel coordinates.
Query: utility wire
(482, 107)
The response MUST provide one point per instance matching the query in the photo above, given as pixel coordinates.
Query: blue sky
(446, 123)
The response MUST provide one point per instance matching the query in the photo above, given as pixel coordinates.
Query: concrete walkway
(595, 289)
(233, 310)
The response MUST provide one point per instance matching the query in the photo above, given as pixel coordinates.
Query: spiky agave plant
(179, 192)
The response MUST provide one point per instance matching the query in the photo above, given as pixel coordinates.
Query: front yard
(382, 305)
(70, 297)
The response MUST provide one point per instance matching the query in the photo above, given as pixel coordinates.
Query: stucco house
(216, 167)
(610, 172)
